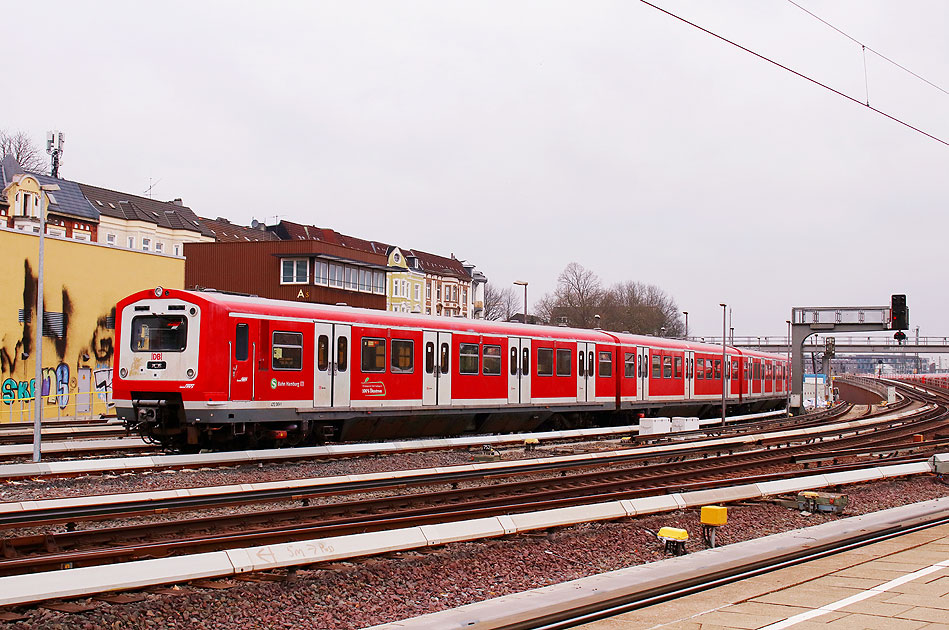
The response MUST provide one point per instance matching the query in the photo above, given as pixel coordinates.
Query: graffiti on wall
(57, 385)
(54, 387)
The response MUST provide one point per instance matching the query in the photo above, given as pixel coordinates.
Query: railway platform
(896, 584)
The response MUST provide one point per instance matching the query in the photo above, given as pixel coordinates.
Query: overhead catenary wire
(796, 73)
(865, 47)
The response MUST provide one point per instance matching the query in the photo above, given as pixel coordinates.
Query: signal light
(899, 314)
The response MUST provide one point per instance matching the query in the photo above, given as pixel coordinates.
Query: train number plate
(156, 365)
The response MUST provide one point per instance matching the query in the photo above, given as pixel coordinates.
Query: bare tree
(641, 308)
(21, 147)
(578, 296)
(631, 306)
(498, 303)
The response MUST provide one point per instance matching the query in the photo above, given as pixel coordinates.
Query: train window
(590, 364)
(403, 356)
(606, 364)
(630, 365)
(525, 362)
(468, 358)
(159, 333)
(491, 359)
(666, 367)
(287, 351)
(718, 368)
(545, 362)
(513, 360)
(241, 342)
(564, 360)
(581, 367)
(678, 367)
(323, 353)
(656, 366)
(700, 368)
(429, 357)
(373, 355)
(443, 362)
(342, 354)
(709, 369)
(734, 373)
(757, 370)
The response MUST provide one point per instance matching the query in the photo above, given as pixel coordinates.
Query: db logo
(156, 356)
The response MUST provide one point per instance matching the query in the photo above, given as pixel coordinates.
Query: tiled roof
(225, 231)
(289, 231)
(439, 265)
(68, 200)
(430, 263)
(120, 205)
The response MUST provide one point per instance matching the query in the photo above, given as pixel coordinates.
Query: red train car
(215, 370)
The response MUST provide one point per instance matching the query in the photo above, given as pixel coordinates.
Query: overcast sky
(522, 136)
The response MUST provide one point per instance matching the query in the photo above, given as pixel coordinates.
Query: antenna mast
(54, 146)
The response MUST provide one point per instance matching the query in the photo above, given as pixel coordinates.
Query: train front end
(157, 363)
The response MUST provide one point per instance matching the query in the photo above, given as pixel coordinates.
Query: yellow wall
(83, 281)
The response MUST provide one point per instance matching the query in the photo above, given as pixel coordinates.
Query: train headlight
(123, 372)
(159, 291)
(190, 373)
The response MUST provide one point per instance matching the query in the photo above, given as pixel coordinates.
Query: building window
(146, 242)
(131, 242)
(110, 239)
(321, 272)
(373, 355)
(160, 247)
(287, 351)
(335, 275)
(379, 282)
(468, 358)
(428, 291)
(403, 352)
(56, 232)
(79, 236)
(294, 271)
(417, 290)
(395, 288)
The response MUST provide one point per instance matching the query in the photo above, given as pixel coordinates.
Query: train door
(436, 379)
(243, 353)
(586, 375)
(331, 380)
(689, 362)
(642, 372)
(727, 376)
(519, 370)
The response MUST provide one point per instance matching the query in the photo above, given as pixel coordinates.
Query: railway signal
(899, 314)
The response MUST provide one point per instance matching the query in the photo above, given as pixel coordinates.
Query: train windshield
(159, 333)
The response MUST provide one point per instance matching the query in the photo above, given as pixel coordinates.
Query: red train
(215, 370)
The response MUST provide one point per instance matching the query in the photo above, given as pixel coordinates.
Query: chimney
(178, 202)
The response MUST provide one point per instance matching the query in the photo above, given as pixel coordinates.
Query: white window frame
(146, 244)
(110, 239)
(296, 269)
(159, 247)
(131, 242)
(80, 236)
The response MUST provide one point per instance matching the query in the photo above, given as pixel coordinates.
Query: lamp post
(38, 335)
(787, 389)
(686, 313)
(524, 284)
(724, 364)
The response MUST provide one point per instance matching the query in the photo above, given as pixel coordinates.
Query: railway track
(626, 478)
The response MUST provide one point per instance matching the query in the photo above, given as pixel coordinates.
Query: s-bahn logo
(373, 388)
(273, 383)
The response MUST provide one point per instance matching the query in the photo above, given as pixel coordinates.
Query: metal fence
(21, 409)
